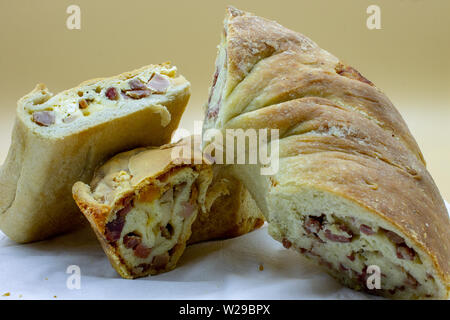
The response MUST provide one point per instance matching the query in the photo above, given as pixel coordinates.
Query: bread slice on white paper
(352, 192)
(60, 139)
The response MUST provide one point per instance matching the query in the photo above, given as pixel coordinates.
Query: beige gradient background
(409, 58)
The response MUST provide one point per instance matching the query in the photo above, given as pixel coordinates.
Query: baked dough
(60, 139)
(352, 190)
(229, 209)
(142, 204)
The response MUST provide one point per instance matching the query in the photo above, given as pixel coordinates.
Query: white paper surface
(226, 269)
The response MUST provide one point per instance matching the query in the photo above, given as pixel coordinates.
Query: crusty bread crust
(40, 169)
(338, 132)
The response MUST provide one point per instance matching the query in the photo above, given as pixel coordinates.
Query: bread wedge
(142, 204)
(229, 210)
(351, 192)
(60, 139)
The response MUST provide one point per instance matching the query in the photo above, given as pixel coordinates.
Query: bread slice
(60, 139)
(352, 192)
(142, 205)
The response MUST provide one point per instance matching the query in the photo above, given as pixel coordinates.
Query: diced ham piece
(351, 257)
(188, 210)
(44, 118)
(130, 241)
(395, 238)
(142, 251)
(158, 83)
(286, 243)
(312, 225)
(114, 228)
(405, 252)
(338, 238)
(344, 228)
(136, 84)
(160, 261)
(366, 229)
(112, 94)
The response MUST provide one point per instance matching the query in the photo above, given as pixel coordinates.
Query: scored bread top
(124, 173)
(100, 100)
(302, 69)
(332, 121)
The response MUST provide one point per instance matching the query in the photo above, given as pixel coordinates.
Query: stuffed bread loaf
(60, 139)
(229, 209)
(352, 189)
(142, 205)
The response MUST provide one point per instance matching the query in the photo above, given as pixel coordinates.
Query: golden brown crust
(338, 132)
(265, 50)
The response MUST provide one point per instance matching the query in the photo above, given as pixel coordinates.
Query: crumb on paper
(7, 294)
(261, 267)
(46, 278)
(55, 297)
(20, 296)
